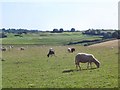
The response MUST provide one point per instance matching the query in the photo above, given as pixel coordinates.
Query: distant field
(47, 38)
(31, 68)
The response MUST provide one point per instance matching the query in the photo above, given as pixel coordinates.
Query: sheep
(51, 52)
(71, 50)
(10, 47)
(3, 49)
(86, 58)
(22, 48)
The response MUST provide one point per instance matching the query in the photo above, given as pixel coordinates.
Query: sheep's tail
(76, 62)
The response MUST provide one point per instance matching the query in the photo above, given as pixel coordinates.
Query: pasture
(46, 38)
(31, 68)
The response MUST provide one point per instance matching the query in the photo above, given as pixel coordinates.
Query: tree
(72, 29)
(3, 29)
(107, 35)
(61, 30)
(98, 32)
(55, 30)
(116, 34)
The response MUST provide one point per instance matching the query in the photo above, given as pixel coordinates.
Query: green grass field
(47, 38)
(31, 68)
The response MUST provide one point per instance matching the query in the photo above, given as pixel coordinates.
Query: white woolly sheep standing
(85, 58)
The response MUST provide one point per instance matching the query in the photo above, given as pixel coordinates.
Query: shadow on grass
(74, 70)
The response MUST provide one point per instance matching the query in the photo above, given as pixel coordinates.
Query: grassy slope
(31, 68)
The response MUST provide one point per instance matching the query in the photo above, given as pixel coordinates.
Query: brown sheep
(86, 58)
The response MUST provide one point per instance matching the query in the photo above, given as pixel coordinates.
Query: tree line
(105, 33)
(101, 32)
(19, 32)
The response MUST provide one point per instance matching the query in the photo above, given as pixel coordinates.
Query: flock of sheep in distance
(79, 58)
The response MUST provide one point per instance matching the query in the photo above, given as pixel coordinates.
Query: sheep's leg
(78, 65)
(91, 64)
(54, 55)
(88, 65)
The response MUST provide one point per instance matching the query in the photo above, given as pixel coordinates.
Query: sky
(66, 14)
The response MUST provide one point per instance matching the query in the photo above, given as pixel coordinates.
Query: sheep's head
(47, 55)
(97, 64)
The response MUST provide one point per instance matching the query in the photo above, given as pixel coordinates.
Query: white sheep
(85, 58)
(69, 49)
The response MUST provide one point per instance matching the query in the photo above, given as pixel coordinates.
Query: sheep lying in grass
(51, 52)
(71, 50)
(86, 58)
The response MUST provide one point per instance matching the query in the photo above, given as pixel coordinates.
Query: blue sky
(66, 14)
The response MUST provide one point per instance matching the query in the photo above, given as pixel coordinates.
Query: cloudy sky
(66, 14)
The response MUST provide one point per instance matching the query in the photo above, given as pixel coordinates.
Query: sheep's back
(83, 57)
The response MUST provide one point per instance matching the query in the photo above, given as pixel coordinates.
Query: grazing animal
(51, 52)
(22, 48)
(71, 50)
(3, 49)
(85, 58)
(10, 47)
